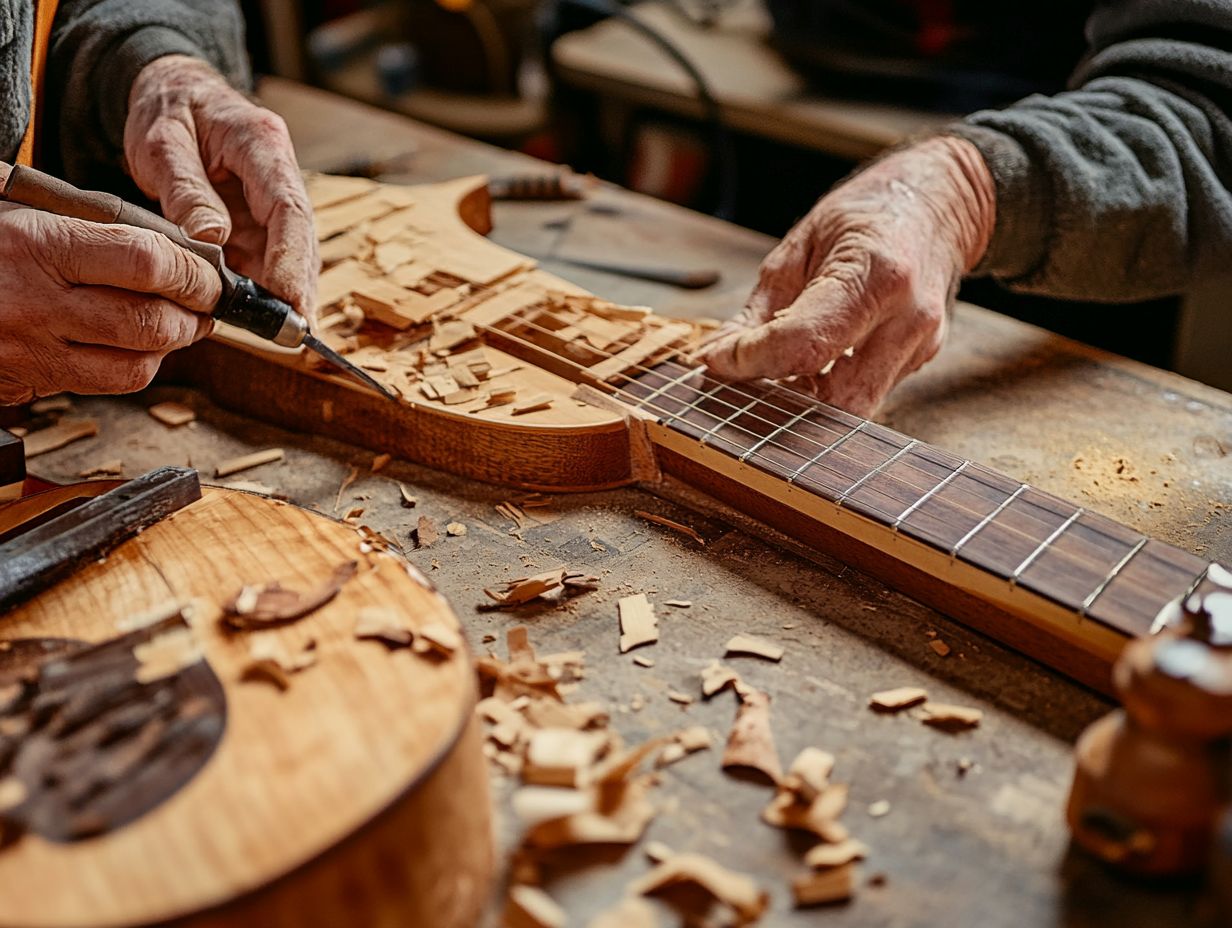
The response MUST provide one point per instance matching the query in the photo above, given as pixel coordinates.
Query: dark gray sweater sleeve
(97, 49)
(1118, 189)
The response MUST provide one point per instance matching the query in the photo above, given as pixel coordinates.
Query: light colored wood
(360, 793)
(54, 437)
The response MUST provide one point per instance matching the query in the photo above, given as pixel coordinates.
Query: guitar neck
(1011, 558)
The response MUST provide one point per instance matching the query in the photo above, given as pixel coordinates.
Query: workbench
(988, 847)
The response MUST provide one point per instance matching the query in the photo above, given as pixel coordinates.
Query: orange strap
(44, 16)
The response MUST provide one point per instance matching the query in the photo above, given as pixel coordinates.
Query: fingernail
(212, 232)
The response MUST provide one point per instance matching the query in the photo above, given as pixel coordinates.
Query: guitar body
(358, 795)
(508, 374)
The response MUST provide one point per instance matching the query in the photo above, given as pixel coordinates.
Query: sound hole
(85, 747)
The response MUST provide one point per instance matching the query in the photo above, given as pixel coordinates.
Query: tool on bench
(244, 303)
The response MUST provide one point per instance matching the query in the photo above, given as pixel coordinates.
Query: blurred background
(746, 109)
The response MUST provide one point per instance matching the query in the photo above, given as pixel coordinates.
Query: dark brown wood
(12, 463)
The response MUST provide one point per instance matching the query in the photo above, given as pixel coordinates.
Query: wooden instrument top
(296, 772)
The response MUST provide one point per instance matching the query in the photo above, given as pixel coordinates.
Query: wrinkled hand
(93, 308)
(874, 267)
(224, 169)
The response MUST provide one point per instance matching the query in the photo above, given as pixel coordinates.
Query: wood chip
(820, 815)
(269, 661)
(684, 743)
(950, 718)
(879, 809)
(380, 623)
(750, 744)
(408, 499)
(753, 647)
(172, 415)
(898, 699)
(106, 469)
(824, 887)
(942, 649)
(716, 678)
(426, 533)
(638, 623)
(439, 639)
(809, 774)
(54, 437)
(534, 404)
(271, 604)
(642, 661)
(672, 524)
(628, 913)
(455, 528)
(524, 589)
(562, 756)
(380, 462)
(531, 907)
(735, 890)
(52, 405)
(678, 603)
(248, 461)
(825, 856)
(683, 699)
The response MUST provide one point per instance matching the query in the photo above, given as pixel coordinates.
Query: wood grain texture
(360, 793)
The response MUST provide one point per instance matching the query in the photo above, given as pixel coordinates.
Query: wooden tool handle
(50, 194)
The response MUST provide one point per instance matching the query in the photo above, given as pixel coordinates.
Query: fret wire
(708, 395)
(988, 518)
(1057, 532)
(710, 432)
(1160, 622)
(876, 470)
(1103, 584)
(786, 426)
(920, 502)
(1197, 583)
(822, 410)
(826, 450)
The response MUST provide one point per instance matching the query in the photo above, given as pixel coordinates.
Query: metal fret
(1103, 584)
(707, 395)
(761, 442)
(1173, 608)
(709, 433)
(876, 470)
(984, 521)
(826, 450)
(669, 384)
(920, 502)
(1030, 558)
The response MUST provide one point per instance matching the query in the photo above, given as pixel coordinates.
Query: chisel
(244, 303)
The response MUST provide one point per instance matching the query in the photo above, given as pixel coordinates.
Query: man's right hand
(91, 308)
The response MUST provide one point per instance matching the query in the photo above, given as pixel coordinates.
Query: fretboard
(1076, 558)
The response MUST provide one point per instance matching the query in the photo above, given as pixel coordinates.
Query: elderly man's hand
(93, 308)
(874, 267)
(224, 169)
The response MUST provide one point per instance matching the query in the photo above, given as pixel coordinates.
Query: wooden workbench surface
(988, 848)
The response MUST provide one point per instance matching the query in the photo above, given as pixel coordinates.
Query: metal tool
(244, 303)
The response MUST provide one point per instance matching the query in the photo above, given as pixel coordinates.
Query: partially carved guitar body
(488, 354)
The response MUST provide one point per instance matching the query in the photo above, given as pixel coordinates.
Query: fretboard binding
(987, 519)
(920, 502)
(786, 426)
(826, 450)
(1056, 533)
(1103, 585)
(876, 470)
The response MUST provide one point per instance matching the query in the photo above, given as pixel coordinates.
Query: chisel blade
(346, 366)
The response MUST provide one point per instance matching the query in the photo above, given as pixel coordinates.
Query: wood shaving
(351, 476)
(824, 887)
(54, 437)
(942, 649)
(166, 654)
(683, 743)
(679, 603)
(628, 913)
(879, 809)
(524, 589)
(106, 469)
(531, 907)
(248, 461)
(750, 744)
(824, 856)
(272, 604)
(683, 699)
(455, 528)
(172, 415)
(52, 405)
(426, 534)
(736, 890)
(672, 524)
(642, 661)
(898, 699)
(436, 638)
(753, 647)
(268, 660)
(534, 404)
(950, 718)
(380, 623)
(638, 623)
(562, 756)
(407, 499)
(380, 462)
(716, 678)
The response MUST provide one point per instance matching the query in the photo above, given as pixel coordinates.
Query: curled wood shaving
(738, 891)
(408, 500)
(950, 718)
(638, 624)
(753, 647)
(898, 699)
(672, 524)
(750, 744)
(351, 476)
(439, 639)
(379, 623)
(271, 604)
(716, 678)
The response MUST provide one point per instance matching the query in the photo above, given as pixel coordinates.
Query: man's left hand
(224, 169)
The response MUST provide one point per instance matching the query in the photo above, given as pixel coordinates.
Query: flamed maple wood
(357, 796)
(1066, 585)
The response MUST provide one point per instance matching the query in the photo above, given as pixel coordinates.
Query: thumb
(167, 165)
(801, 339)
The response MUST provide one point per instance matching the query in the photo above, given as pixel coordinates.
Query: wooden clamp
(52, 549)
